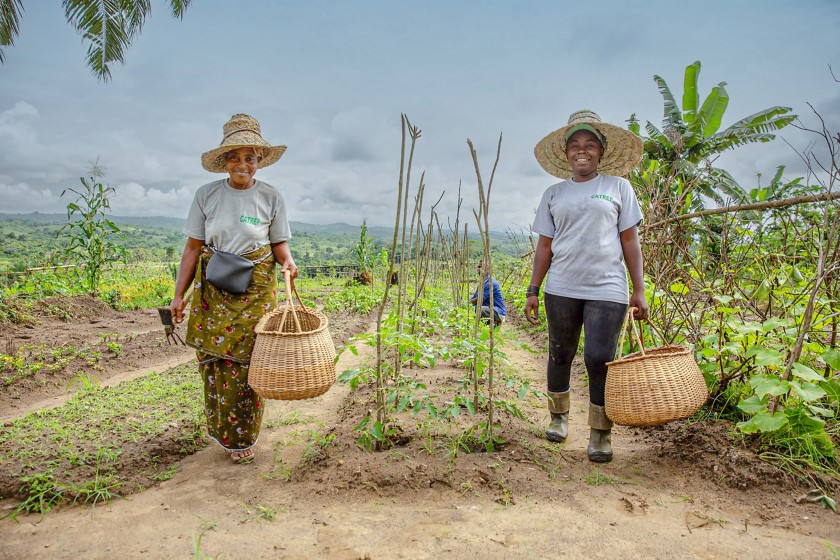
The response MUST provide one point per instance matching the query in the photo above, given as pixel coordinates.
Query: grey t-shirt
(583, 221)
(238, 221)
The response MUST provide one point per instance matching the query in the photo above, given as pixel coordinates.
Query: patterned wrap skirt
(221, 329)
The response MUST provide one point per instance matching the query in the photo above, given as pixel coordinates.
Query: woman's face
(584, 151)
(241, 164)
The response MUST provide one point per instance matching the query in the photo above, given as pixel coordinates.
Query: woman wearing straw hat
(247, 217)
(587, 225)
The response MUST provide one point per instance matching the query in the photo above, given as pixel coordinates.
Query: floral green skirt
(221, 329)
(232, 409)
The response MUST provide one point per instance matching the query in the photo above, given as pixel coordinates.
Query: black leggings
(601, 321)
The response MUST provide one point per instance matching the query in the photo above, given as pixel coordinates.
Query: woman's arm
(186, 274)
(633, 257)
(542, 260)
(283, 255)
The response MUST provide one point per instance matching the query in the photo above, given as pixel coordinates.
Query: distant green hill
(28, 240)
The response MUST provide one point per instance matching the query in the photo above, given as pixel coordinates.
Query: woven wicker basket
(294, 355)
(653, 386)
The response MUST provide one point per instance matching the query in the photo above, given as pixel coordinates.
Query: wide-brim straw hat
(241, 131)
(623, 150)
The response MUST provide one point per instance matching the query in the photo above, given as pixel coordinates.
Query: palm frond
(135, 12)
(179, 7)
(713, 109)
(10, 11)
(108, 26)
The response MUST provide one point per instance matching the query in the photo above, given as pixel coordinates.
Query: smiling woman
(587, 226)
(247, 217)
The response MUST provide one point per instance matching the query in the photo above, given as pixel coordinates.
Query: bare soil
(684, 490)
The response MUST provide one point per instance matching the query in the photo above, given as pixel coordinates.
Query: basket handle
(636, 332)
(287, 281)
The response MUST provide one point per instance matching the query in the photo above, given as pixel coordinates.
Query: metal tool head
(169, 326)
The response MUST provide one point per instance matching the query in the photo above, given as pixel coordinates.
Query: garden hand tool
(169, 326)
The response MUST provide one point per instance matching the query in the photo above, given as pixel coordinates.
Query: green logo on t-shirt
(603, 197)
(249, 220)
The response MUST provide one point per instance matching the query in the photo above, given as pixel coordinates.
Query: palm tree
(690, 140)
(108, 26)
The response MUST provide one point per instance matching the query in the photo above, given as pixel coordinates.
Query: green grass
(73, 452)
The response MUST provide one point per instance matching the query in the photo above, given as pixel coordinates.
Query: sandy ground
(653, 501)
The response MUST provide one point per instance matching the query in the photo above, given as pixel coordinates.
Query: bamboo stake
(381, 415)
(484, 205)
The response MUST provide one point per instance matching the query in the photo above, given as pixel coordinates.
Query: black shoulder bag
(230, 272)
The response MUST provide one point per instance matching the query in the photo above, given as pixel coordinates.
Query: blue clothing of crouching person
(499, 311)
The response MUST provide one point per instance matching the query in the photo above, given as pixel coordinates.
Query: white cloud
(133, 199)
(18, 198)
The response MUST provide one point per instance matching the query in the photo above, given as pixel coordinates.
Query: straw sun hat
(622, 148)
(241, 131)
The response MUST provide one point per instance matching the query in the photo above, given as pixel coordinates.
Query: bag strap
(256, 262)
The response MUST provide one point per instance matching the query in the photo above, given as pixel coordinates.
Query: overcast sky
(329, 79)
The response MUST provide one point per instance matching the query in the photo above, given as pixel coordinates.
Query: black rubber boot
(558, 406)
(600, 438)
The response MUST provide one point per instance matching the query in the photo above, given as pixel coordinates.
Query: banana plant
(690, 138)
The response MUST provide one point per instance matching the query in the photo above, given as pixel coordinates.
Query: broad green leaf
(723, 299)
(690, 100)
(763, 422)
(832, 358)
(713, 109)
(773, 322)
(762, 291)
(707, 352)
(832, 389)
(753, 404)
(820, 410)
(470, 407)
(808, 392)
(404, 401)
(376, 431)
(769, 385)
(765, 356)
(710, 339)
(804, 372)
(671, 117)
(679, 288)
(801, 421)
(747, 327)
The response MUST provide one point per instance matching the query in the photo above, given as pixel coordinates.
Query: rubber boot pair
(558, 406)
(600, 427)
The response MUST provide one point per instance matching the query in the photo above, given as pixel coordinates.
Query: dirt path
(675, 492)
